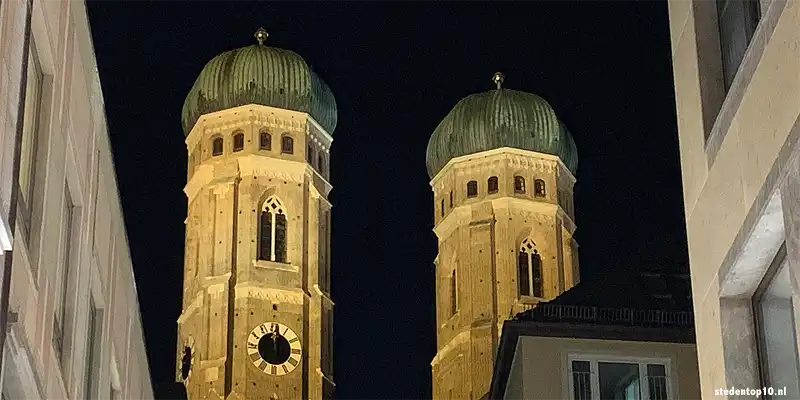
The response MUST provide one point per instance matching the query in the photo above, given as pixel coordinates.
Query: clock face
(274, 348)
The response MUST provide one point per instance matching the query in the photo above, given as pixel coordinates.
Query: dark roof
(626, 289)
(652, 306)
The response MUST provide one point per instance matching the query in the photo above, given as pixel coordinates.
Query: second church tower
(502, 171)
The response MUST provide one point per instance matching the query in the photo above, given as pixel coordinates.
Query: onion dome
(500, 118)
(263, 75)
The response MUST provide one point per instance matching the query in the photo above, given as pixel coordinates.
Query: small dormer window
(472, 188)
(519, 184)
(538, 188)
(287, 144)
(216, 146)
(492, 184)
(264, 140)
(238, 142)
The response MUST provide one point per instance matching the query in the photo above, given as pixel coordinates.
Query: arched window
(451, 199)
(320, 163)
(442, 207)
(529, 266)
(238, 142)
(310, 155)
(287, 144)
(519, 184)
(472, 188)
(453, 294)
(216, 146)
(264, 140)
(492, 185)
(272, 231)
(538, 188)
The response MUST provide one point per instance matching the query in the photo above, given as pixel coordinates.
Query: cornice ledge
(323, 295)
(276, 295)
(460, 338)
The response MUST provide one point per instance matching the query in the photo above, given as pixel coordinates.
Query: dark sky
(396, 70)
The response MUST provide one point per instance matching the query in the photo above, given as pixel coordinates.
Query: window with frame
(593, 378)
(453, 294)
(238, 142)
(320, 163)
(63, 273)
(93, 348)
(737, 22)
(264, 140)
(492, 185)
(272, 231)
(775, 328)
(30, 135)
(529, 267)
(310, 155)
(472, 188)
(519, 184)
(538, 188)
(216, 146)
(287, 144)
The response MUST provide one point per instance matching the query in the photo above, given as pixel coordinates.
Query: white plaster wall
(73, 148)
(731, 179)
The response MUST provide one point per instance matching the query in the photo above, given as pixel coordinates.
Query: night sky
(396, 70)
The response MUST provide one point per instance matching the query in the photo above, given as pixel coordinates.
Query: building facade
(14, 36)
(73, 322)
(257, 317)
(624, 335)
(502, 171)
(737, 85)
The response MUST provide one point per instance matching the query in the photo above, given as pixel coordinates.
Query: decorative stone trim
(275, 295)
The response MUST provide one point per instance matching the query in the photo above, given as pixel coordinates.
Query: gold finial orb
(261, 35)
(498, 78)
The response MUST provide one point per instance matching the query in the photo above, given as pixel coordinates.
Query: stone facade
(73, 328)
(229, 288)
(739, 151)
(480, 235)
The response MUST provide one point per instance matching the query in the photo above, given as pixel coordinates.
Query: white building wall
(740, 159)
(72, 151)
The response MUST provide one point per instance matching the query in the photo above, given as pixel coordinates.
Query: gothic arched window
(287, 144)
(472, 188)
(238, 142)
(492, 185)
(272, 231)
(264, 140)
(216, 146)
(519, 184)
(538, 188)
(453, 294)
(529, 266)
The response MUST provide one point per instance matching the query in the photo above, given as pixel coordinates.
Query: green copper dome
(500, 118)
(262, 75)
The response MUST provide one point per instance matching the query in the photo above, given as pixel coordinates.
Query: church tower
(502, 171)
(257, 313)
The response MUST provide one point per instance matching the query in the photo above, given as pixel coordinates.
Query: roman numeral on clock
(274, 370)
(293, 361)
(295, 351)
(252, 345)
(294, 340)
(285, 370)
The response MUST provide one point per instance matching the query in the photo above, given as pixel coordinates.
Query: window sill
(273, 265)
